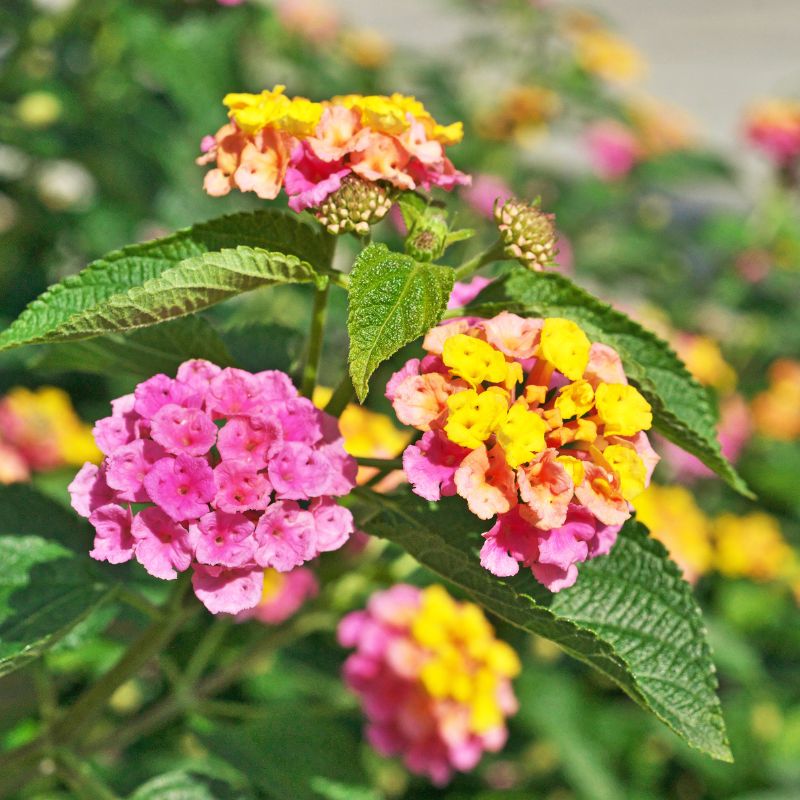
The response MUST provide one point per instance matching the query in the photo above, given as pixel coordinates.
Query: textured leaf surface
(630, 614)
(393, 300)
(45, 590)
(141, 353)
(123, 270)
(682, 410)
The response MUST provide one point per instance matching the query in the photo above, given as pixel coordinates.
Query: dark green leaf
(286, 753)
(630, 614)
(141, 353)
(45, 590)
(682, 410)
(393, 300)
(86, 294)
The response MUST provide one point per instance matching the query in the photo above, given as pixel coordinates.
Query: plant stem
(381, 463)
(80, 778)
(204, 651)
(315, 337)
(493, 253)
(341, 396)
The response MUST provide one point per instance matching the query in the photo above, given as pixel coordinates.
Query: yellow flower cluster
(748, 546)
(521, 427)
(299, 116)
(42, 427)
(601, 52)
(776, 410)
(465, 662)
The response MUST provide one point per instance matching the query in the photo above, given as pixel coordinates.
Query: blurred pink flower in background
(316, 21)
(773, 126)
(613, 149)
(486, 190)
(282, 596)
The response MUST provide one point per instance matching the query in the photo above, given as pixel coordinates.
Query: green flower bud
(528, 233)
(354, 206)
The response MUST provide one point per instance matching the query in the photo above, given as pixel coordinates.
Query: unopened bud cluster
(528, 232)
(354, 206)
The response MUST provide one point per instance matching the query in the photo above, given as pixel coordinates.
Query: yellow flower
(622, 409)
(608, 56)
(474, 360)
(574, 466)
(575, 399)
(521, 434)
(625, 461)
(297, 116)
(705, 361)
(752, 546)
(474, 417)
(366, 47)
(465, 662)
(565, 346)
(675, 519)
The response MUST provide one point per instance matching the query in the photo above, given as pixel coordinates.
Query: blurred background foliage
(102, 107)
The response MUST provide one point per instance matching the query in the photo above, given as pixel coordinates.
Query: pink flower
(129, 465)
(181, 486)
(464, 292)
(546, 488)
(224, 539)
(162, 545)
(613, 149)
(283, 595)
(485, 192)
(515, 336)
(183, 430)
(600, 493)
(89, 490)
(210, 508)
(227, 591)
(284, 536)
(113, 541)
(251, 439)
(418, 400)
(310, 179)
(431, 465)
(240, 487)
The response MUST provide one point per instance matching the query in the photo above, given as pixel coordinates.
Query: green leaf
(630, 614)
(393, 300)
(286, 754)
(48, 318)
(45, 590)
(141, 353)
(187, 785)
(682, 410)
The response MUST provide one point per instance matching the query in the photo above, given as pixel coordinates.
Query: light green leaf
(393, 300)
(682, 410)
(45, 590)
(630, 614)
(48, 317)
(187, 785)
(142, 353)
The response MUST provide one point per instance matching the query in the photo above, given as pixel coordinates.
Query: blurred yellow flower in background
(752, 546)
(776, 410)
(522, 111)
(603, 53)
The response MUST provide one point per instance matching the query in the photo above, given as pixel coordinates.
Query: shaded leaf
(187, 785)
(630, 614)
(682, 410)
(393, 300)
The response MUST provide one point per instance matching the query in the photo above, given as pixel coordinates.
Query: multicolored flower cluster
(39, 431)
(434, 682)
(222, 471)
(530, 423)
(310, 149)
(773, 126)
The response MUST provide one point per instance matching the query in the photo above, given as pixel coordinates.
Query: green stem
(204, 651)
(79, 777)
(341, 396)
(493, 253)
(381, 463)
(315, 337)
(138, 602)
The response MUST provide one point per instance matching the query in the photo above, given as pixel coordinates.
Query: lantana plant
(527, 413)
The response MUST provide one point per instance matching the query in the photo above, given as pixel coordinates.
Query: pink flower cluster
(434, 682)
(222, 471)
(282, 597)
(773, 126)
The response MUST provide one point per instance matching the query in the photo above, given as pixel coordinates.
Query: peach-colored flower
(486, 482)
(436, 337)
(383, 158)
(13, 467)
(546, 487)
(339, 132)
(513, 335)
(600, 492)
(605, 366)
(420, 399)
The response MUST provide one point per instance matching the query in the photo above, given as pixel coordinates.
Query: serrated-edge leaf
(443, 539)
(194, 284)
(393, 301)
(691, 424)
(268, 229)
